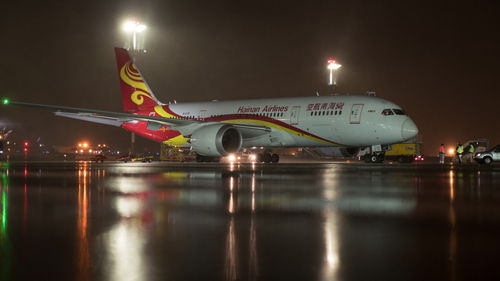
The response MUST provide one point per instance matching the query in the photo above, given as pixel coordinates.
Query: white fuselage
(338, 120)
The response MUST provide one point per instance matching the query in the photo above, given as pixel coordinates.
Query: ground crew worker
(459, 151)
(472, 149)
(441, 154)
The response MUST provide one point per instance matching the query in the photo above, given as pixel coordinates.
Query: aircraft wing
(94, 114)
(185, 126)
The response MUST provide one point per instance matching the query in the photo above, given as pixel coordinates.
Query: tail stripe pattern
(136, 94)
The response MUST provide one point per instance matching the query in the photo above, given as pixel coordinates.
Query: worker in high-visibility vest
(472, 149)
(459, 151)
(441, 154)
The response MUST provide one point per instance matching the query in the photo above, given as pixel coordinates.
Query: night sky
(439, 60)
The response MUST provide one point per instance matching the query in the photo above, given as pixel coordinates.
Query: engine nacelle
(216, 140)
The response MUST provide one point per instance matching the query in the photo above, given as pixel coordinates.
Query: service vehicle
(134, 158)
(489, 156)
(405, 152)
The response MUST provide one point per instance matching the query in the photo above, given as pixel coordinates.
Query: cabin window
(399, 111)
(387, 112)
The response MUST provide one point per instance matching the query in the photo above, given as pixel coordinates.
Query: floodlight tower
(136, 29)
(333, 66)
(135, 44)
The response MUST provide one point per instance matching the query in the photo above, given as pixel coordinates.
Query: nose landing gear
(267, 157)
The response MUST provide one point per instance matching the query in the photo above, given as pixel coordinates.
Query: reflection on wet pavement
(83, 221)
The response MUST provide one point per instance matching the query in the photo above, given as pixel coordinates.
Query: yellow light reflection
(452, 220)
(253, 193)
(452, 185)
(231, 258)
(230, 207)
(332, 260)
(128, 206)
(331, 265)
(124, 243)
(82, 223)
(253, 264)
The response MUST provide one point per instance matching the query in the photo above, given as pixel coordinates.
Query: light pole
(135, 28)
(333, 66)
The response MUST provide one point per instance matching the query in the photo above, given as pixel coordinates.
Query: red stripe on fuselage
(228, 117)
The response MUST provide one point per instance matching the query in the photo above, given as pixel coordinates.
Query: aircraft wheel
(261, 157)
(275, 158)
(266, 157)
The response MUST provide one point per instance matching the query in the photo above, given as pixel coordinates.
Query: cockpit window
(399, 111)
(387, 112)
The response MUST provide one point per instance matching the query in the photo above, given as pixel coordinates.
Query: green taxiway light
(6, 101)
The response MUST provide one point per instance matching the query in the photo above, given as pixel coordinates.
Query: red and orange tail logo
(136, 94)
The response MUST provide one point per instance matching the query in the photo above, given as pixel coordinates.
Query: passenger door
(356, 113)
(202, 114)
(294, 115)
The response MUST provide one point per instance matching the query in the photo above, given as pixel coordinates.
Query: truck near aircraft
(404, 152)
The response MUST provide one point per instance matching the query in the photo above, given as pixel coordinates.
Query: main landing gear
(267, 157)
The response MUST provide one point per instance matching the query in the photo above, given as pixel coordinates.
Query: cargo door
(294, 115)
(356, 113)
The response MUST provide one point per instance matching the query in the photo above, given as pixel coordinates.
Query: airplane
(217, 128)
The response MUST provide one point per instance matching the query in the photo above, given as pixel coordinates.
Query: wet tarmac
(309, 221)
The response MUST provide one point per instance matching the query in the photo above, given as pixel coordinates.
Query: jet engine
(216, 140)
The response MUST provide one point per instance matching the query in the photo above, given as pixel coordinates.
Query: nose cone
(408, 129)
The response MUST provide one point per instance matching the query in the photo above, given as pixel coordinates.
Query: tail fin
(136, 94)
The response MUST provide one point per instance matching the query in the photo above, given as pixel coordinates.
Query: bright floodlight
(136, 30)
(140, 27)
(133, 26)
(333, 66)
